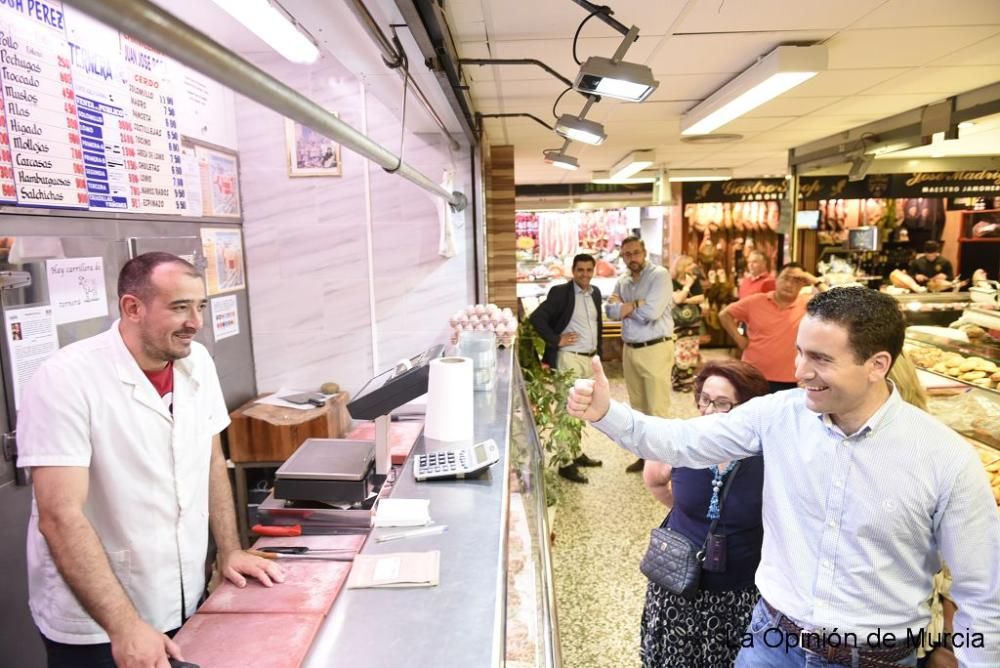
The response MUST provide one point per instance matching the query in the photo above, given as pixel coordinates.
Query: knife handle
(278, 531)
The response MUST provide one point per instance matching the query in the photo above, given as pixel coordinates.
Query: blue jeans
(61, 655)
(760, 655)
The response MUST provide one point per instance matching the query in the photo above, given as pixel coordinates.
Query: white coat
(90, 405)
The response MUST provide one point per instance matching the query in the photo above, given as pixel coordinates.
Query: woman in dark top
(706, 632)
(687, 290)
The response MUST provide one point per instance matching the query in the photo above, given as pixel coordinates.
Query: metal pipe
(604, 14)
(392, 59)
(521, 61)
(163, 31)
(531, 116)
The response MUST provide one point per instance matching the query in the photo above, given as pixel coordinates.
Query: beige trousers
(647, 377)
(578, 364)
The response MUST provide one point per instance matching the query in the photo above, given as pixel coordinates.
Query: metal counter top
(461, 621)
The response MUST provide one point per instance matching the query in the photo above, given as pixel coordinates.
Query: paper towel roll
(449, 400)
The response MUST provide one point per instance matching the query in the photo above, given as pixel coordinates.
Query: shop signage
(579, 189)
(978, 183)
(735, 190)
(972, 183)
(40, 107)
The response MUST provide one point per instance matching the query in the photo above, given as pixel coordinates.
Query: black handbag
(674, 562)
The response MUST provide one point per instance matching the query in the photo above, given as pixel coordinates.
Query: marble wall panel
(307, 244)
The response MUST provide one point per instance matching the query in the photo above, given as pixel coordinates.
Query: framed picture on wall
(309, 152)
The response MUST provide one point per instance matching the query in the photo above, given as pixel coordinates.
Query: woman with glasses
(706, 632)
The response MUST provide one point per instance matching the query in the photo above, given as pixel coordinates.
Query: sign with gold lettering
(735, 190)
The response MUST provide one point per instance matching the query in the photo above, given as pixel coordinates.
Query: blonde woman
(687, 322)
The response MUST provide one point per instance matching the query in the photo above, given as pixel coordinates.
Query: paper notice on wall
(31, 339)
(223, 249)
(76, 289)
(225, 317)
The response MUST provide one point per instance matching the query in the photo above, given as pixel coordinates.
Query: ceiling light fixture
(581, 130)
(271, 24)
(556, 158)
(699, 175)
(605, 178)
(859, 166)
(623, 81)
(636, 161)
(779, 71)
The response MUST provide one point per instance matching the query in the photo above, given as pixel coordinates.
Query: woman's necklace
(717, 482)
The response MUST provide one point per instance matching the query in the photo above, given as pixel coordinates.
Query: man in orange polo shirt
(772, 320)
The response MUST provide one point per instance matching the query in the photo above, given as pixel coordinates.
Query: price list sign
(150, 140)
(40, 105)
(8, 189)
(101, 100)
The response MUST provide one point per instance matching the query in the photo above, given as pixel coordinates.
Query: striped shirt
(653, 319)
(854, 526)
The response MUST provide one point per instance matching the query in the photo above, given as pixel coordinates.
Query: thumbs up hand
(590, 399)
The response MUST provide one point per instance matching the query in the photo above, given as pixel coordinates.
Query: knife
(299, 530)
(325, 557)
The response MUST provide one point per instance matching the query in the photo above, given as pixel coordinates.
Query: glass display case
(532, 636)
(962, 378)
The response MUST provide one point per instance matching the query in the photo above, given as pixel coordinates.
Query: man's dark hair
(584, 257)
(932, 247)
(134, 278)
(792, 265)
(872, 319)
(633, 239)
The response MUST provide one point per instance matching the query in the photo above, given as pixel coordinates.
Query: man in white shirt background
(121, 432)
(863, 497)
(570, 323)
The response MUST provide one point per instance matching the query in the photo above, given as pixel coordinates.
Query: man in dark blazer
(570, 322)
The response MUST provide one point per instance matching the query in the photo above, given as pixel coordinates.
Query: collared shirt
(652, 320)
(771, 330)
(91, 406)
(583, 323)
(853, 524)
(751, 285)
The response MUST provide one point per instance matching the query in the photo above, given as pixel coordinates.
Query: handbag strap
(722, 503)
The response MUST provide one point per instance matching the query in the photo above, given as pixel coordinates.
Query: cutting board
(309, 586)
(248, 640)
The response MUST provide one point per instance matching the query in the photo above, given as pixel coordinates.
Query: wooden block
(265, 433)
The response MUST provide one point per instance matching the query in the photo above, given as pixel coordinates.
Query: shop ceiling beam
(165, 32)
(903, 127)
(393, 60)
(524, 61)
(428, 26)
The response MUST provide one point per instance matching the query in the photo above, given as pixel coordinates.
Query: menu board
(101, 100)
(40, 106)
(154, 155)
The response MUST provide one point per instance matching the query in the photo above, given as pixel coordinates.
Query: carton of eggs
(485, 318)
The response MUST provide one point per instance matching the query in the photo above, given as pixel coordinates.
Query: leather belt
(643, 344)
(573, 352)
(813, 642)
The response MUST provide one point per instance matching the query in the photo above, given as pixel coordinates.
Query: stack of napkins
(403, 513)
(401, 569)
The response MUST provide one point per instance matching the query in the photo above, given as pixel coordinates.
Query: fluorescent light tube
(680, 175)
(623, 81)
(605, 177)
(274, 27)
(581, 130)
(557, 158)
(780, 70)
(634, 162)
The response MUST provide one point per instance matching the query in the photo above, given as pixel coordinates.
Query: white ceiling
(885, 57)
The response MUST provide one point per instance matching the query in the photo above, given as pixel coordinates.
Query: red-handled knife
(299, 530)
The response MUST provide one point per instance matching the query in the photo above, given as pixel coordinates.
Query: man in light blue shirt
(642, 300)
(864, 495)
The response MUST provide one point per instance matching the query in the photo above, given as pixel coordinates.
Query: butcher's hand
(590, 399)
